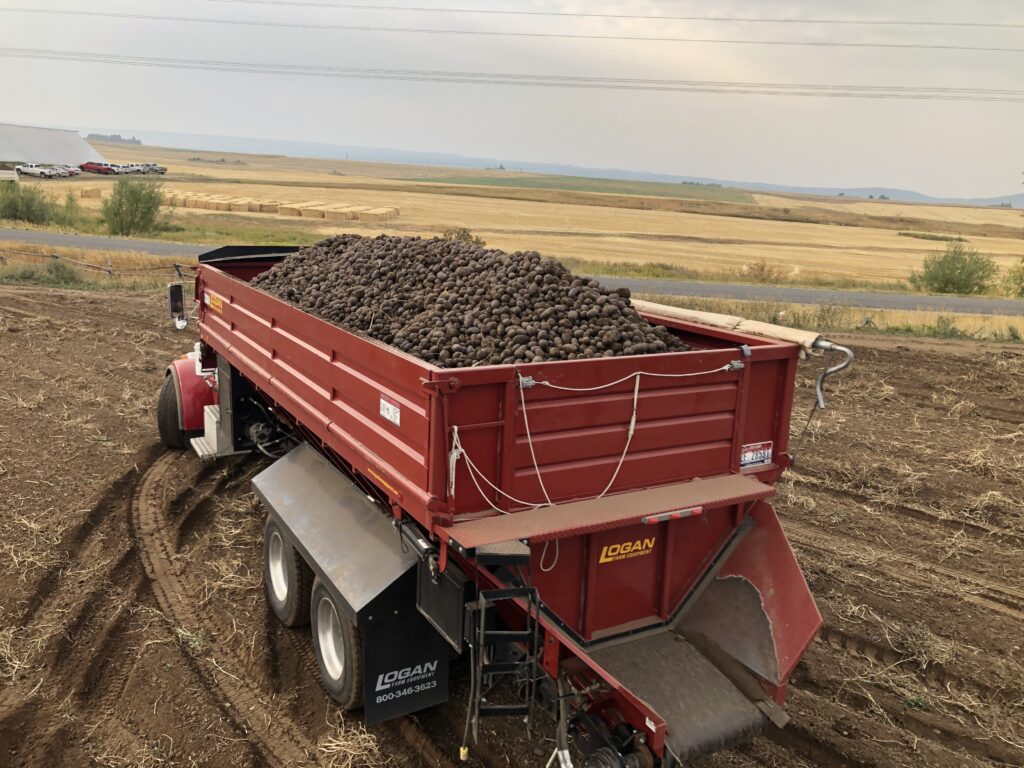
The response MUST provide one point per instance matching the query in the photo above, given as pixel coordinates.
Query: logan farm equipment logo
(406, 675)
(611, 553)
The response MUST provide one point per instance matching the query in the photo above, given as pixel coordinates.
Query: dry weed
(144, 755)
(14, 657)
(347, 744)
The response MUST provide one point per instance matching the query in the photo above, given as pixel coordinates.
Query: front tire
(338, 647)
(168, 416)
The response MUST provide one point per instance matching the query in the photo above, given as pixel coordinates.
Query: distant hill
(113, 138)
(387, 155)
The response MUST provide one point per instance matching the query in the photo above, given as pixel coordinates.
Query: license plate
(756, 454)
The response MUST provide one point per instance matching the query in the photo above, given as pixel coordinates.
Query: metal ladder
(492, 649)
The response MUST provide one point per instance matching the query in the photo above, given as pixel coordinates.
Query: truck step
(503, 553)
(507, 635)
(203, 449)
(503, 710)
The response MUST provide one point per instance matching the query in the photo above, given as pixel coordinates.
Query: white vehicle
(119, 169)
(34, 169)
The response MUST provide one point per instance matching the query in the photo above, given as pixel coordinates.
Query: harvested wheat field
(704, 229)
(134, 632)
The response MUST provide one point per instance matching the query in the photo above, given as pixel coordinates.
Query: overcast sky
(935, 147)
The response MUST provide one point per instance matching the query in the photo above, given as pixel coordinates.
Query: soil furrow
(281, 741)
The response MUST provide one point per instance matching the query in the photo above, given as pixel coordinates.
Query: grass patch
(934, 236)
(601, 186)
(757, 272)
(30, 264)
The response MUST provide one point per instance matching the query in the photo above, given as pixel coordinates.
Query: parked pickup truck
(34, 169)
(102, 168)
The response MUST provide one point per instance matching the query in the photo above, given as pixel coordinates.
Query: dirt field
(133, 631)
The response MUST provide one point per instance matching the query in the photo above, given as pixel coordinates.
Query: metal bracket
(828, 346)
(442, 386)
(736, 365)
(527, 382)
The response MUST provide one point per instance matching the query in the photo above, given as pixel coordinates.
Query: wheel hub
(278, 571)
(332, 644)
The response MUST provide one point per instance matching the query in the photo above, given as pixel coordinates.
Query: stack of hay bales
(377, 215)
(91, 192)
(309, 209)
(344, 212)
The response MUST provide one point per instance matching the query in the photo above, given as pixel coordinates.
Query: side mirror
(176, 303)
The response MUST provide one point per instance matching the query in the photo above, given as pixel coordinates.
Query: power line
(821, 90)
(503, 33)
(664, 17)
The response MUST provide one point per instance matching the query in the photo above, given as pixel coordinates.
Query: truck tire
(286, 576)
(338, 647)
(168, 416)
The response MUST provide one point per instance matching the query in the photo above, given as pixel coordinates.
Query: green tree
(959, 270)
(1014, 280)
(133, 207)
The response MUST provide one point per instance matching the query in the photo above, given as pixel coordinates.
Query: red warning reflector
(674, 515)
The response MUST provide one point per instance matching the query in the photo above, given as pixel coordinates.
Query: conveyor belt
(703, 710)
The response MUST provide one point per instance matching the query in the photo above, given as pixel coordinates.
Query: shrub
(1014, 280)
(133, 207)
(23, 202)
(463, 235)
(763, 272)
(959, 270)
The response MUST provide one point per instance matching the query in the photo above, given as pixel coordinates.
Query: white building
(26, 144)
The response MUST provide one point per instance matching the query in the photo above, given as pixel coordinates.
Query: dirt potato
(455, 304)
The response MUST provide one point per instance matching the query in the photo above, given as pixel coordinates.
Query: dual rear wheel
(298, 597)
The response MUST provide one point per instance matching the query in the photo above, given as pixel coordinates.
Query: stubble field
(133, 631)
(705, 229)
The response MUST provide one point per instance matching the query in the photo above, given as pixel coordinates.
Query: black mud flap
(405, 660)
(359, 557)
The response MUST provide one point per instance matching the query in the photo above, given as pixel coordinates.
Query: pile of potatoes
(456, 304)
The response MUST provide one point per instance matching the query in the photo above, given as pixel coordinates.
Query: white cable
(459, 448)
(549, 385)
(629, 438)
(529, 440)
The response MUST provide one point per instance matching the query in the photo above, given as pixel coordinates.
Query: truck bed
(392, 416)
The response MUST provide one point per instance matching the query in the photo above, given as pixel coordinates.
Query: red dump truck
(593, 535)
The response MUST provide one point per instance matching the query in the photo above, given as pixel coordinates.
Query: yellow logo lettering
(625, 550)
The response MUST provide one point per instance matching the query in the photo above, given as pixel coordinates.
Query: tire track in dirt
(53, 614)
(924, 514)
(990, 594)
(278, 738)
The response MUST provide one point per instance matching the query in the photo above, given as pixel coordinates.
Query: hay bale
(339, 214)
(375, 215)
(314, 211)
(91, 192)
(222, 205)
(269, 207)
(240, 205)
(291, 209)
(191, 201)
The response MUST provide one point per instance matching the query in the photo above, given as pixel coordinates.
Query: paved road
(153, 247)
(876, 300)
(873, 299)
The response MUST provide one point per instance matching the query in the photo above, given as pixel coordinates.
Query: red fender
(194, 393)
